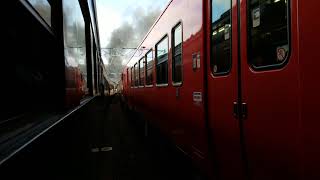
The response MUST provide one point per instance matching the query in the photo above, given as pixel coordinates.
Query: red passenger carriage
(235, 80)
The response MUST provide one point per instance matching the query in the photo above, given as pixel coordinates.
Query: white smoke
(127, 37)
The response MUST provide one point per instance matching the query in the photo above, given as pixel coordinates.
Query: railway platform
(100, 141)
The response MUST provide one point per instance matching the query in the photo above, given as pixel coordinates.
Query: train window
(132, 77)
(162, 61)
(141, 70)
(149, 67)
(75, 42)
(136, 74)
(268, 33)
(43, 7)
(177, 54)
(221, 37)
(127, 76)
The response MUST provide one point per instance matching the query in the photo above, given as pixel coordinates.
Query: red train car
(233, 84)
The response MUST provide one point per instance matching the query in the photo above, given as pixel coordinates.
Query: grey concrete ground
(101, 141)
(133, 156)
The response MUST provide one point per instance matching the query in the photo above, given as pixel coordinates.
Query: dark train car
(234, 85)
(50, 55)
(50, 62)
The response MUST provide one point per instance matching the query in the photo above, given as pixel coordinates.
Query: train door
(270, 91)
(222, 84)
(253, 88)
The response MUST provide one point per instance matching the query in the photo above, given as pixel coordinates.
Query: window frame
(146, 68)
(27, 4)
(156, 61)
(219, 74)
(180, 23)
(249, 44)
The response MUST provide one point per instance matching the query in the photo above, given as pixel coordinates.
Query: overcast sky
(113, 13)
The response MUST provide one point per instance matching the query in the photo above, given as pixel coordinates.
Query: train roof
(151, 28)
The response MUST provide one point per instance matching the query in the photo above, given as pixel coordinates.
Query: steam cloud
(128, 35)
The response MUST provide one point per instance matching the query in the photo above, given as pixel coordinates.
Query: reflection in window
(221, 37)
(132, 77)
(74, 41)
(149, 68)
(43, 8)
(127, 76)
(268, 32)
(162, 61)
(136, 74)
(141, 70)
(177, 54)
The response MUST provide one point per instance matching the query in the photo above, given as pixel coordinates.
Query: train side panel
(178, 110)
(309, 63)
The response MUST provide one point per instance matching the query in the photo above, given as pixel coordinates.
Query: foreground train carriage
(51, 55)
(51, 64)
(234, 85)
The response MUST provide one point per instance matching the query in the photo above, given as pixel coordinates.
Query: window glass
(127, 76)
(43, 8)
(132, 77)
(75, 44)
(177, 54)
(142, 73)
(268, 33)
(136, 74)
(221, 37)
(162, 61)
(149, 67)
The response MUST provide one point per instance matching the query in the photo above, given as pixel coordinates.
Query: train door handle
(240, 110)
(236, 110)
(244, 108)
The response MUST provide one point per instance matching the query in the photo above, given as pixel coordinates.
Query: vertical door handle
(244, 110)
(240, 110)
(235, 110)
